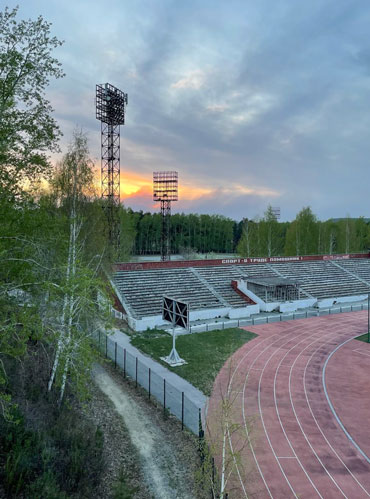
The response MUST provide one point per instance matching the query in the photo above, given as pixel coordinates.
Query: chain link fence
(173, 400)
(265, 319)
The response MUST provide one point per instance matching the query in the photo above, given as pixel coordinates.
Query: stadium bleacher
(209, 286)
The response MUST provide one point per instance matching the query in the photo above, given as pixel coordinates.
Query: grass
(363, 337)
(205, 353)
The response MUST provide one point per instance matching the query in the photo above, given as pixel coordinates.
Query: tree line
(193, 232)
(305, 235)
(261, 236)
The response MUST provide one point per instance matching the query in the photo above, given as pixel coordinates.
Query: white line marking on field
(319, 427)
(361, 352)
(245, 422)
(299, 423)
(331, 405)
(278, 414)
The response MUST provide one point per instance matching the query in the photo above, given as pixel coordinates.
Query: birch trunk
(68, 300)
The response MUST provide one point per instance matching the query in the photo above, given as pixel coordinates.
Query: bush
(121, 489)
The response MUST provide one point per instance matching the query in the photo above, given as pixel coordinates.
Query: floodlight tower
(165, 190)
(276, 212)
(110, 111)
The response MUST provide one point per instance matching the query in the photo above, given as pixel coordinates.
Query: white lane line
(248, 437)
(298, 421)
(293, 328)
(361, 352)
(279, 335)
(277, 410)
(319, 427)
(331, 405)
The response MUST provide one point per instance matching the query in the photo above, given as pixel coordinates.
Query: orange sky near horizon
(134, 185)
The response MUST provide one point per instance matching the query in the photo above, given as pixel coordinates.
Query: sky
(253, 103)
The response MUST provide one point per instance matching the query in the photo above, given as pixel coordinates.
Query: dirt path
(165, 474)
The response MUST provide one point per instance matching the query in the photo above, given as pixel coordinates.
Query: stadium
(286, 414)
(239, 288)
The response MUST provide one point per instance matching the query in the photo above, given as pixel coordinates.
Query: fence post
(238, 322)
(182, 410)
(329, 311)
(136, 374)
(164, 396)
(124, 362)
(207, 326)
(293, 316)
(223, 324)
(280, 317)
(267, 320)
(201, 440)
(149, 382)
(252, 321)
(106, 346)
(115, 354)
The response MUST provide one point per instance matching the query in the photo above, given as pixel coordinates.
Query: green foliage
(199, 233)
(27, 128)
(121, 489)
(205, 353)
(63, 460)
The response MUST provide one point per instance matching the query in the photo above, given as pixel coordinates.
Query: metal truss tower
(165, 190)
(110, 111)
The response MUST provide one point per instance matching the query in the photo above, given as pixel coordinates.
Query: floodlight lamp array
(110, 104)
(165, 186)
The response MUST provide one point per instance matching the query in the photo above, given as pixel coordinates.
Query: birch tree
(79, 315)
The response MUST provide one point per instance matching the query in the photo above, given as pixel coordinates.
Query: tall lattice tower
(110, 111)
(165, 190)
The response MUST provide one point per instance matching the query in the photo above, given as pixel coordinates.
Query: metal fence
(265, 319)
(172, 399)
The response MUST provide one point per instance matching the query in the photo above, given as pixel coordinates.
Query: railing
(212, 326)
(173, 400)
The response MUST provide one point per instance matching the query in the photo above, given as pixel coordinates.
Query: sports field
(297, 415)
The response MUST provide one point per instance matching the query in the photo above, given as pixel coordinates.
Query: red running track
(290, 410)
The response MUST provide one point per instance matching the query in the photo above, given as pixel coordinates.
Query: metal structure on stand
(110, 111)
(177, 313)
(165, 190)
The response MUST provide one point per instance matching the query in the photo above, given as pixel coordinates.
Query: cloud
(194, 80)
(229, 94)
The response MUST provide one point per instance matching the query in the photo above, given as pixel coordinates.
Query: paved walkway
(192, 393)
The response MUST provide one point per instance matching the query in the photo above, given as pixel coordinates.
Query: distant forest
(262, 236)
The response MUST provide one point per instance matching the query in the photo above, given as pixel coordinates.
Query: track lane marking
(292, 329)
(277, 410)
(248, 437)
(319, 427)
(297, 419)
(286, 332)
(331, 405)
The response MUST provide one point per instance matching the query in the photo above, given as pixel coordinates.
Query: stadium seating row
(210, 286)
